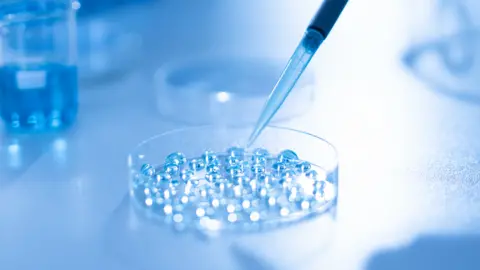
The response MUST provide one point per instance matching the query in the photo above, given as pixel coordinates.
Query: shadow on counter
(431, 252)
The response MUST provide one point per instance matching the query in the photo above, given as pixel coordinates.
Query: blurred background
(395, 88)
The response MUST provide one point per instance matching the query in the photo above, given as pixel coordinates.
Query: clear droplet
(235, 170)
(239, 180)
(215, 202)
(246, 204)
(175, 182)
(312, 174)
(232, 160)
(261, 152)
(287, 156)
(258, 168)
(264, 180)
(288, 173)
(197, 164)
(167, 209)
(236, 152)
(230, 208)
(186, 174)
(212, 168)
(305, 205)
(171, 169)
(176, 158)
(147, 170)
(232, 217)
(284, 211)
(271, 201)
(279, 167)
(200, 212)
(292, 193)
(262, 191)
(213, 177)
(149, 201)
(220, 187)
(255, 216)
(209, 157)
(177, 218)
(184, 199)
(163, 180)
(303, 167)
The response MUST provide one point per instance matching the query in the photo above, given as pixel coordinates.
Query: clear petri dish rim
(138, 147)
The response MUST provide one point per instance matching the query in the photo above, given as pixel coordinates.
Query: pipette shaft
(318, 29)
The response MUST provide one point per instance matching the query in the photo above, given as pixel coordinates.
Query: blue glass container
(38, 73)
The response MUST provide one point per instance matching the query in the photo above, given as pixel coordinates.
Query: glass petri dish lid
(230, 90)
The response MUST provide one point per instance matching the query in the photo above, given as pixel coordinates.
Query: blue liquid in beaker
(38, 97)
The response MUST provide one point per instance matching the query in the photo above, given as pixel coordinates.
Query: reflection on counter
(19, 152)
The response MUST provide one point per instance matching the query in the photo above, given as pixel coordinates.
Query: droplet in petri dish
(176, 158)
(287, 156)
(147, 170)
(236, 152)
(197, 164)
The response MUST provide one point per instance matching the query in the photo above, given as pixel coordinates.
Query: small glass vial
(38, 72)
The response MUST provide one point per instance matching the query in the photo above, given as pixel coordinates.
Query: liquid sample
(38, 97)
(234, 190)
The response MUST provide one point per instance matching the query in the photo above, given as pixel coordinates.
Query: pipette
(318, 29)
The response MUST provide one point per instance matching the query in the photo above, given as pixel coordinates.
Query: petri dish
(231, 90)
(288, 203)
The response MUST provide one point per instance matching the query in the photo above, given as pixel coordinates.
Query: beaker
(38, 73)
(257, 221)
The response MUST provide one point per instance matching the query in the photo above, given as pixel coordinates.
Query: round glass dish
(286, 235)
(231, 90)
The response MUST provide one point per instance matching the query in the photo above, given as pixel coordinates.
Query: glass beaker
(38, 73)
(270, 220)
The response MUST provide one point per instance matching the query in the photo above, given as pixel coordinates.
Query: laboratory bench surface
(409, 155)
